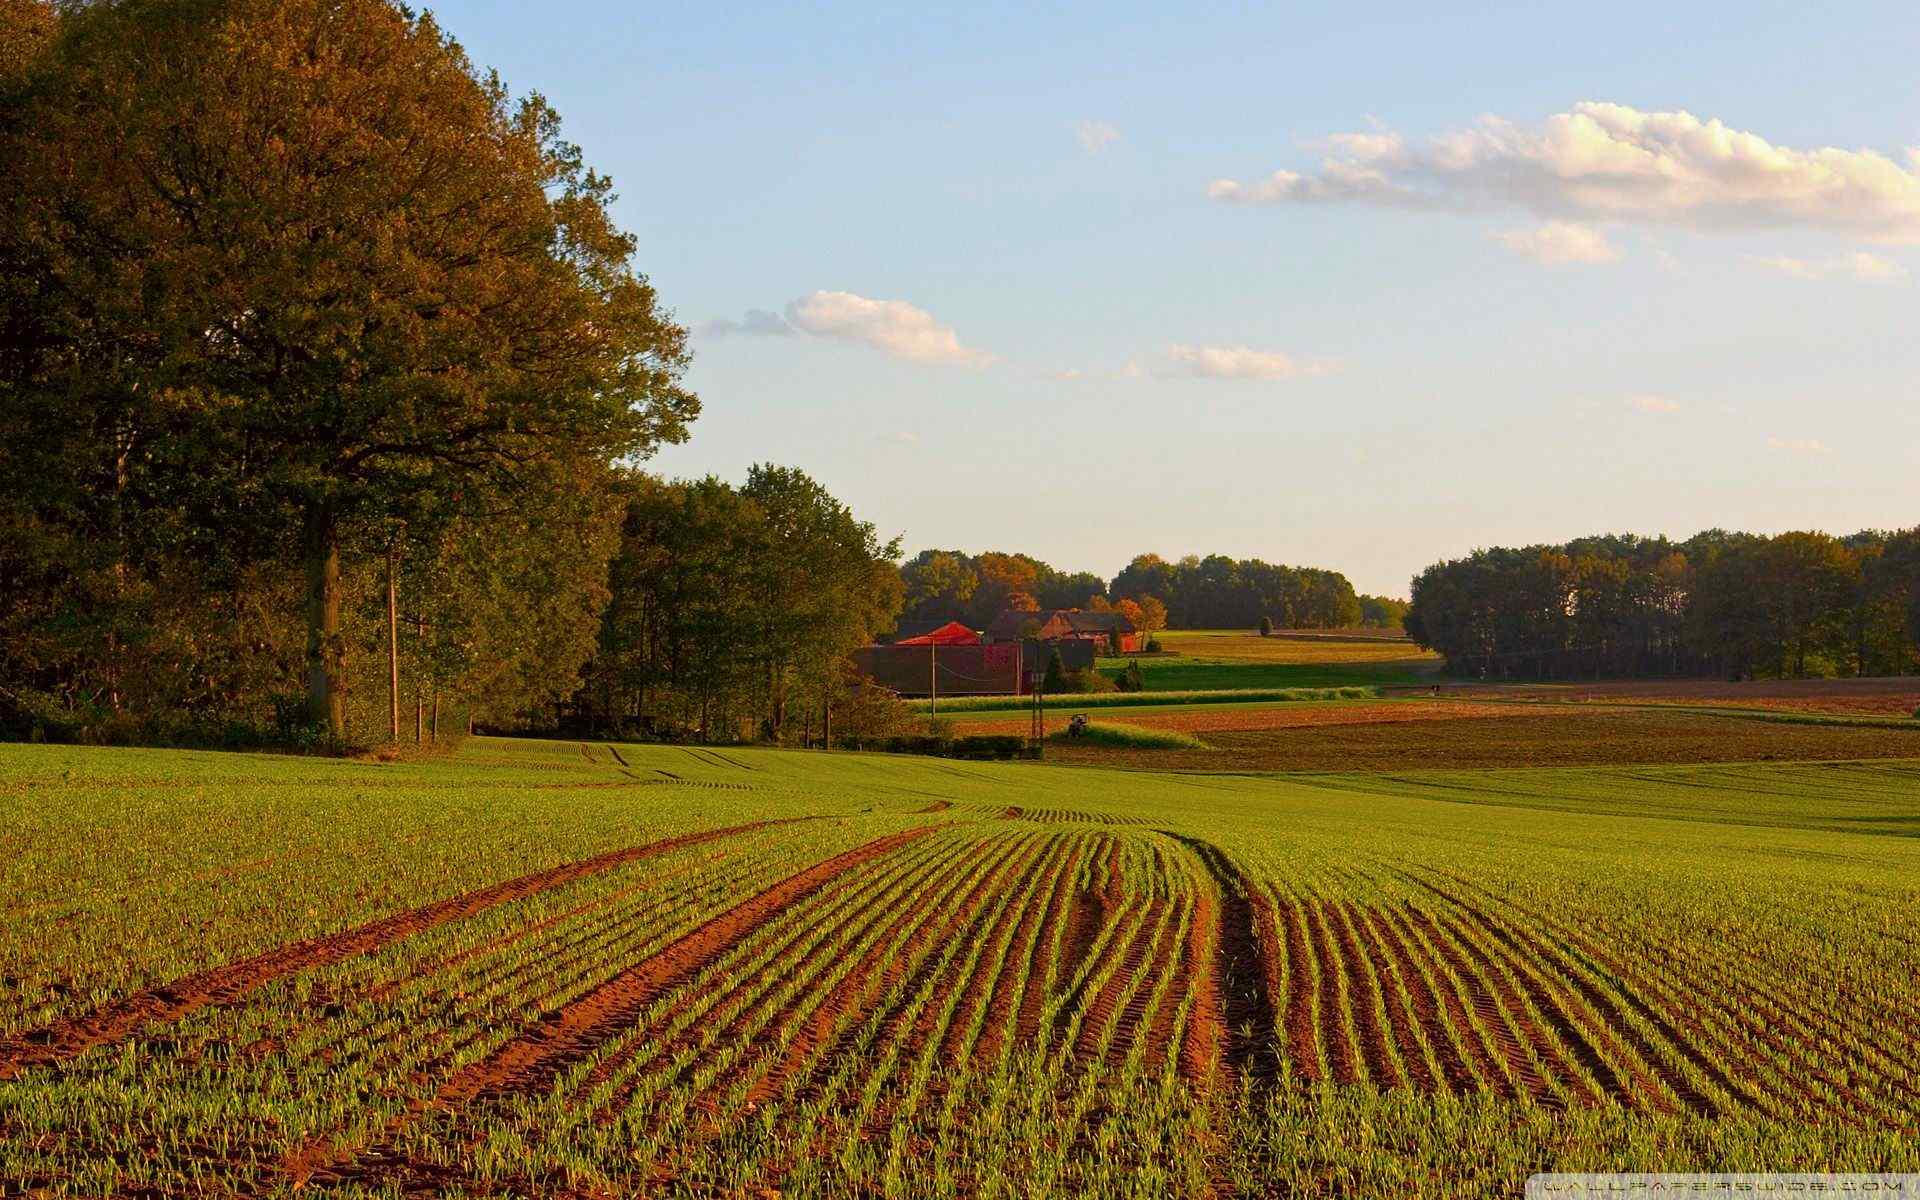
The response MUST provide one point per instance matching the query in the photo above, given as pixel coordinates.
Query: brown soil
(1425, 1008)
(1887, 696)
(867, 981)
(1236, 1010)
(1514, 1062)
(1303, 1042)
(120, 1019)
(1043, 966)
(1394, 996)
(1341, 1057)
(1524, 737)
(1363, 996)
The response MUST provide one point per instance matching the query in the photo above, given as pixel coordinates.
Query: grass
(945, 978)
(1131, 737)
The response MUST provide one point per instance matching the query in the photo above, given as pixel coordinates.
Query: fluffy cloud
(758, 322)
(1559, 242)
(894, 326)
(1799, 445)
(1094, 136)
(1652, 404)
(1866, 268)
(1609, 162)
(1228, 362)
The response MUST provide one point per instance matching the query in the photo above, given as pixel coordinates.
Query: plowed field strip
(884, 958)
(1395, 998)
(1045, 967)
(1427, 1009)
(724, 1023)
(1649, 1079)
(1163, 958)
(1634, 982)
(1515, 1059)
(1343, 1062)
(1303, 1038)
(119, 1019)
(905, 980)
(531, 1060)
(1547, 1072)
(996, 1024)
(1236, 1006)
(1363, 993)
(1104, 1009)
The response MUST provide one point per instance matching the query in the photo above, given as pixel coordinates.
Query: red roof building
(953, 633)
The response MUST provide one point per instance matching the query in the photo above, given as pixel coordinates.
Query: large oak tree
(307, 267)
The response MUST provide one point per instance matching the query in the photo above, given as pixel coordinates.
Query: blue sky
(1014, 305)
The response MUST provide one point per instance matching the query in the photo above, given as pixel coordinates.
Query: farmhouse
(1063, 625)
(926, 666)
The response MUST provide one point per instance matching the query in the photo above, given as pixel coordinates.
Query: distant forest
(1215, 592)
(1737, 605)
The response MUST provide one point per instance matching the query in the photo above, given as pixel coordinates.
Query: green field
(1201, 659)
(554, 967)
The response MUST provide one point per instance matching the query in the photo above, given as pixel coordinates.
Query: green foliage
(1055, 679)
(1729, 605)
(279, 306)
(1266, 626)
(1130, 737)
(730, 604)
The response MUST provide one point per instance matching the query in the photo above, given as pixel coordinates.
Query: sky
(1362, 287)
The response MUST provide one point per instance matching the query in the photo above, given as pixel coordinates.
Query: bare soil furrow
(1303, 1038)
(1395, 997)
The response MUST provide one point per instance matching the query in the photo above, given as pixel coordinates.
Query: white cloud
(902, 437)
(1610, 162)
(1867, 268)
(1652, 404)
(757, 322)
(1799, 445)
(1559, 242)
(894, 326)
(1094, 136)
(1229, 362)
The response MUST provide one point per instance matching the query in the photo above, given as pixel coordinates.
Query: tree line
(1215, 592)
(1738, 605)
(324, 374)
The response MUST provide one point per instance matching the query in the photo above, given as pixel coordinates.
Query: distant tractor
(1077, 727)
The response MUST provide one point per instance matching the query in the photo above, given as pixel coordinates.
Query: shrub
(1055, 679)
(1087, 682)
(1153, 645)
(1131, 737)
(1266, 626)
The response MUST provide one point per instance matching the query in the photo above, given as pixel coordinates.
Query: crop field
(592, 970)
(1201, 659)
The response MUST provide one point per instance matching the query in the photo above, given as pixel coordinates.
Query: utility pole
(933, 687)
(393, 653)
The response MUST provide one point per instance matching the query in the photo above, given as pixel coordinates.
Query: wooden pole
(933, 687)
(433, 730)
(393, 654)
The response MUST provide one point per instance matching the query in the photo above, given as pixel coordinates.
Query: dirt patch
(1205, 718)
(1889, 696)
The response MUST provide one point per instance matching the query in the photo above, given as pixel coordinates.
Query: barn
(1064, 625)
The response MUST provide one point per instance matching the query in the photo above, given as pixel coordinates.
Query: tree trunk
(326, 667)
(433, 730)
(393, 655)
